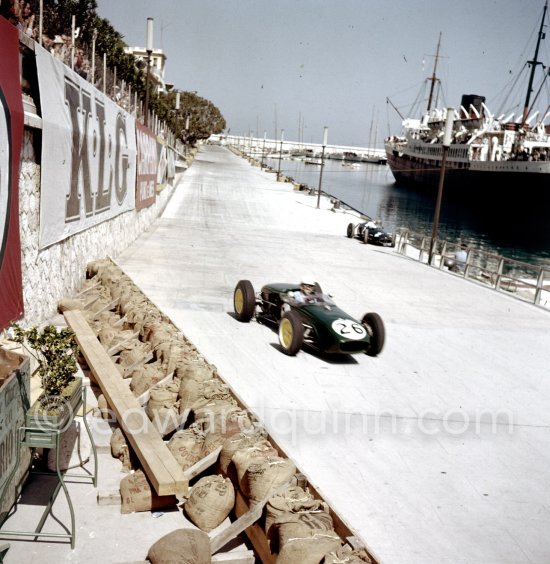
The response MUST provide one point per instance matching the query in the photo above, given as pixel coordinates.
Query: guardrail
(530, 283)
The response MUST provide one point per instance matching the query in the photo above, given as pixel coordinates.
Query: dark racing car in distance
(371, 232)
(317, 322)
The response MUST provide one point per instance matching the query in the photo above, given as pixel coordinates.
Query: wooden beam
(247, 519)
(202, 464)
(88, 289)
(255, 533)
(106, 307)
(235, 557)
(144, 397)
(160, 466)
(145, 359)
(115, 348)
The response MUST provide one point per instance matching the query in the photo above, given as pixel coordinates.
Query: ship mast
(534, 64)
(434, 76)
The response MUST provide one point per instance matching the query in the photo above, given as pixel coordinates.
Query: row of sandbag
(299, 527)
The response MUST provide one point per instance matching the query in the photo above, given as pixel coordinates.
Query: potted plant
(55, 351)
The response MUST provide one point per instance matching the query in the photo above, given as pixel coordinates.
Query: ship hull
(484, 180)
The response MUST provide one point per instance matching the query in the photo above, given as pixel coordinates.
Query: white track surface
(402, 446)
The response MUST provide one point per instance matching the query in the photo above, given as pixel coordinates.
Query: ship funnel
(473, 101)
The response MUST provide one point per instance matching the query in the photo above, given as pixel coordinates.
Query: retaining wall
(52, 272)
(57, 271)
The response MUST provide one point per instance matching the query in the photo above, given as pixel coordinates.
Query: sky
(301, 65)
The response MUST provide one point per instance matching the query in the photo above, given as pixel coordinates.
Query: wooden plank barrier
(160, 466)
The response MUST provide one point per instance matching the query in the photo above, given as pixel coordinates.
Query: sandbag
(231, 423)
(302, 525)
(106, 318)
(93, 267)
(246, 456)
(211, 500)
(187, 446)
(137, 494)
(75, 448)
(107, 336)
(159, 332)
(133, 351)
(292, 500)
(162, 407)
(145, 377)
(120, 448)
(223, 428)
(162, 395)
(347, 555)
(182, 546)
(237, 441)
(104, 409)
(213, 408)
(194, 369)
(266, 476)
(310, 549)
(170, 353)
(118, 443)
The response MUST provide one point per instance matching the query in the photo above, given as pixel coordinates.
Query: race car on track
(312, 320)
(371, 232)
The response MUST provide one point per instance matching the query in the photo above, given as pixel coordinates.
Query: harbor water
(515, 231)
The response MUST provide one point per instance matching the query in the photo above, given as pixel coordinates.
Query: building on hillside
(158, 63)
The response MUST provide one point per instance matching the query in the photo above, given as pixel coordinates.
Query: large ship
(487, 155)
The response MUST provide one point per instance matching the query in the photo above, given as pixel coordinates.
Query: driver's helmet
(307, 285)
(371, 224)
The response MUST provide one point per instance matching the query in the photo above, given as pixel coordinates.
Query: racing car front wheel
(244, 300)
(291, 333)
(366, 236)
(350, 230)
(376, 331)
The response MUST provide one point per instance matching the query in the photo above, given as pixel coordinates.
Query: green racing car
(315, 320)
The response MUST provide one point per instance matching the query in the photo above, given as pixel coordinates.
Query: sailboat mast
(534, 64)
(434, 76)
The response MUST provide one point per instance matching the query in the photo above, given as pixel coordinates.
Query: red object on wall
(11, 138)
(147, 167)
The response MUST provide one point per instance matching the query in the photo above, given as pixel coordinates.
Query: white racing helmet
(308, 284)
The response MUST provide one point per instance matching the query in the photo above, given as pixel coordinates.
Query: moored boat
(488, 155)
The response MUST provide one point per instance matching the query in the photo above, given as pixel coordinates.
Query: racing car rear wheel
(351, 229)
(366, 236)
(377, 333)
(291, 333)
(244, 301)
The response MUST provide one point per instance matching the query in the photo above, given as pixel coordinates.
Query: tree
(204, 117)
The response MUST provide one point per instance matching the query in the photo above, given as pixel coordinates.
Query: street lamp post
(446, 143)
(325, 138)
(177, 111)
(94, 39)
(280, 154)
(149, 49)
(186, 134)
(263, 150)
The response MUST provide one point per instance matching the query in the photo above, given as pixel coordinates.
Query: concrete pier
(437, 450)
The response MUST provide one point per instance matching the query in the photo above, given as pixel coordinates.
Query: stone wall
(57, 271)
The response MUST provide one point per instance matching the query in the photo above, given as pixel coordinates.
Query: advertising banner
(11, 139)
(88, 153)
(147, 165)
(171, 165)
(161, 173)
